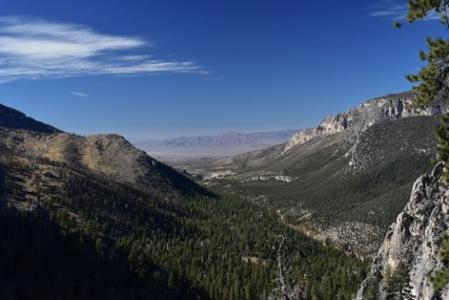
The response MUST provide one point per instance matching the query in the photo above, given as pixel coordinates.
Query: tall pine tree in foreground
(432, 80)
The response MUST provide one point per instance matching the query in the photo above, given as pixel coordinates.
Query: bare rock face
(414, 241)
(358, 119)
(329, 125)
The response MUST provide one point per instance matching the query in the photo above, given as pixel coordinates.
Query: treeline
(395, 154)
(166, 244)
(40, 261)
(375, 195)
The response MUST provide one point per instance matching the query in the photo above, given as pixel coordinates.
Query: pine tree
(390, 289)
(397, 283)
(440, 279)
(404, 287)
(372, 290)
(431, 81)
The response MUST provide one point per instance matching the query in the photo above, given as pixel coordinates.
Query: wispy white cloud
(80, 94)
(34, 48)
(395, 10)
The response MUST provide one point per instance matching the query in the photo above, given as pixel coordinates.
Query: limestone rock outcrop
(361, 117)
(414, 241)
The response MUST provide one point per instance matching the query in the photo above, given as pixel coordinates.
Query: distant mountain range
(219, 145)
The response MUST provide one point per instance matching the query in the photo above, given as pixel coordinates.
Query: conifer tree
(372, 290)
(402, 280)
(440, 278)
(397, 283)
(432, 79)
(390, 291)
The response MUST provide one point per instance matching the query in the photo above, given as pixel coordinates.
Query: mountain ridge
(101, 194)
(390, 107)
(343, 176)
(108, 154)
(14, 119)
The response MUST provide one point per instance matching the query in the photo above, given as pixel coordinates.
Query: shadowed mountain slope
(11, 118)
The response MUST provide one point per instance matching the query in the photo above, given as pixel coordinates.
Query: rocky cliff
(358, 119)
(412, 245)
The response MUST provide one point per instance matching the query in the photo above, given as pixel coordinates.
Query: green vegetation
(166, 244)
(40, 262)
(442, 134)
(440, 279)
(431, 81)
(375, 195)
(431, 78)
(371, 291)
(397, 284)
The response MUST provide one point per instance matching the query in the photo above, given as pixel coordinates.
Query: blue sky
(159, 69)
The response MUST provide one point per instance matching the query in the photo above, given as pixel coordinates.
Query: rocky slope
(98, 218)
(108, 155)
(358, 119)
(351, 127)
(353, 172)
(413, 241)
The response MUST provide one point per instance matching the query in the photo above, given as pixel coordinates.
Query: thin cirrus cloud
(80, 94)
(396, 11)
(33, 49)
(389, 10)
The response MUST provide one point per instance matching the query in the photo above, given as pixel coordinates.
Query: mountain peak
(106, 154)
(364, 115)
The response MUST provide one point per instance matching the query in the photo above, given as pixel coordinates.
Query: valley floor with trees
(96, 238)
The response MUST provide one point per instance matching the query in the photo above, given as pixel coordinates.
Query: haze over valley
(224, 150)
(220, 145)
